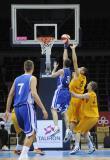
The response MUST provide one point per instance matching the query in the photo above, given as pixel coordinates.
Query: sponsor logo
(48, 129)
(103, 121)
(21, 38)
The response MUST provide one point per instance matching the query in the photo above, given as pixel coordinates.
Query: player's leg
(26, 120)
(54, 107)
(55, 120)
(89, 142)
(77, 134)
(65, 115)
(77, 143)
(90, 123)
(21, 137)
(73, 116)
(76, 117)
(64, 103)
(29, 140)
(55, 116)
(72, 138)
(68, 132)
(36, 147)
(83, 127)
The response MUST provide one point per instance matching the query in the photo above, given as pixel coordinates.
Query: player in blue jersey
(62, 96)
(24, 92)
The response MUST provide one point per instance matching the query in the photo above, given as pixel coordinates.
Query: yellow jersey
(90, 106)
(77, 85)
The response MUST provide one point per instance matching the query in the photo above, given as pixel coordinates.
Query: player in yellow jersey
(77, 85)
(90, 116)
(21, 137)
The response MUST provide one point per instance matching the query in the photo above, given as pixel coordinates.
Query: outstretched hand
(6, 116)
(73, 46)
(45, 114)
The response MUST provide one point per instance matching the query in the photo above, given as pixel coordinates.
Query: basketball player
(24, 92)
(21, 137)
(61, 97)
(76, 85)
(90, 116)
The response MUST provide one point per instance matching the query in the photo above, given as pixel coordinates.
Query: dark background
(94, 50)
(95, 21)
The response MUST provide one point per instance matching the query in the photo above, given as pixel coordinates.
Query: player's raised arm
(65, 54)
(56, 73)
(36, 96)
(66, 40)
(74, 58)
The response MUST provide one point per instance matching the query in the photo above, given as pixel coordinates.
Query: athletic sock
(77, 140)
(19, 147)
(35, 145)
(73, 136)
(25, 150)
(89, 141)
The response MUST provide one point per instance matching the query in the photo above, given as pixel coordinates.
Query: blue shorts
(61, 100)
(26, 117)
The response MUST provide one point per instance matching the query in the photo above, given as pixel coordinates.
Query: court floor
(59, 155)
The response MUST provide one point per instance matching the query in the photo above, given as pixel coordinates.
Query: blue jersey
(62, 95)
(22, 90)
(63, 81)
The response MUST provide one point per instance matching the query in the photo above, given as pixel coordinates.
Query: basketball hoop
(46, 43)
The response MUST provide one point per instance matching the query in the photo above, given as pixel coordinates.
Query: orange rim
(45, 39)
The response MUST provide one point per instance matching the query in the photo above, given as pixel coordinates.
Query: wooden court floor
(59, 155)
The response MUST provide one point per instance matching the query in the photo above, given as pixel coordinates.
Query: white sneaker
(56, 131)
(68, 135)
(75, 150)
(23, 157)
(91, 150)
(5, 148)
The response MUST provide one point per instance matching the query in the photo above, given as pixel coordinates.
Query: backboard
(28, 22)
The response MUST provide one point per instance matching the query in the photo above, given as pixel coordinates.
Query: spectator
(3, 136)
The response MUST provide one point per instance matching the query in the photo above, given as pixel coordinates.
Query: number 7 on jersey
(20, 85)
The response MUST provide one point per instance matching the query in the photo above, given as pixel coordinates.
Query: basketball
(65, 38)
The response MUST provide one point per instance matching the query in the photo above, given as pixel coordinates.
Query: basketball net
(46, 46)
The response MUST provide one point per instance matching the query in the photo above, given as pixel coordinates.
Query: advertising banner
(44, 131)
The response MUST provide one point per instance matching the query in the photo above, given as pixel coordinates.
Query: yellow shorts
(85, 124)
(15, 123)
(74, 110)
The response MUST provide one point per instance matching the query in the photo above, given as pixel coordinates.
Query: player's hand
(45, 114)
(72, 94)
(73, 46)
(55, 65)
(7, 115)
